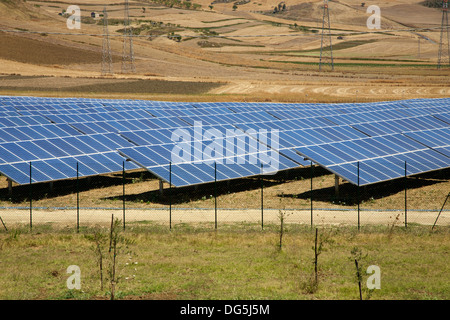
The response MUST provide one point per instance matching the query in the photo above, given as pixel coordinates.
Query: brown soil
(22, 49)
(119, 86)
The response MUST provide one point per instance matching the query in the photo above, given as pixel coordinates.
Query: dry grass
(239, 262)
(285, 191)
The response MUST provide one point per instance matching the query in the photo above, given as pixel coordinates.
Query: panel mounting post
(9, 186)
(336, 185)
(161, 187)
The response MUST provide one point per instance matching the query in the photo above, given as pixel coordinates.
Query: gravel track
(68, 217)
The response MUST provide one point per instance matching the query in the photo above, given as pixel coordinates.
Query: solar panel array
(363, 143)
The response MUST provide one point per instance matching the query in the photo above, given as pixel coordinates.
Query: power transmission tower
(326, 48)
(418, 47)
(107, 67)
(128, 54)
(444, 50)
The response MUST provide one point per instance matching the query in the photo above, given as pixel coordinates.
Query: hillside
(244, 45)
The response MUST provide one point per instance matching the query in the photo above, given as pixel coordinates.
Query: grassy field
(234, 262)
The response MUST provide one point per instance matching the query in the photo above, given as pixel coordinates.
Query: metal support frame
(9, 186)
(336, 185)
(161, 187)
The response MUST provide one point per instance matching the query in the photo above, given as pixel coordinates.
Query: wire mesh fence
(307, 195)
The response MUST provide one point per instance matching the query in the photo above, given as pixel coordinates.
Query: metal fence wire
(307, 195)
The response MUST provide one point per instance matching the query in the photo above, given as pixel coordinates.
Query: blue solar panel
(57, 132)
(240, 161)
(96, 153)
(445, 116)
(380, 158)
(391, 167)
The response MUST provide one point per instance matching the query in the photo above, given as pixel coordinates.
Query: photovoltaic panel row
(88, 113)
(15, 121)
(380, 158)
(362, 117)
(390, 167)
(339, 108)
(186, 134)
(88, 123)
(235, 153)
(158, 160)
(287, 138)
(33, 132)
(400, 125)
(315, 136)
(99, 116)
(151, 141)
(97, 154)
(436, 139)
(444, 116)
(65, 167)
(127, 125)
(7, 113)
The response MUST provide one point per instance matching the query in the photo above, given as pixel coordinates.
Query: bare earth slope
(249, 51)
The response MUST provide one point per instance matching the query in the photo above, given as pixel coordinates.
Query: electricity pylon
(326, 52)
(128, 53)
(444, 50)
(107, 67)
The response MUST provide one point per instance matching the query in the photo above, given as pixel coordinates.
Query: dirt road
(68, 217)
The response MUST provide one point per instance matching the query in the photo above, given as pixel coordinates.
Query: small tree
(281, 216)
(98, 239)
(358, 257)
(319, 247)
(107, 248)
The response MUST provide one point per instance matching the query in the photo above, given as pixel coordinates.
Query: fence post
(448, 195)
(358, 200)
(311, 195)
(123, 192)
(262, 199)
(78, 200)
(31, 199)
(4, 225)
(406, 198)
(170, 195)
(215, 195)
(261, 179)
